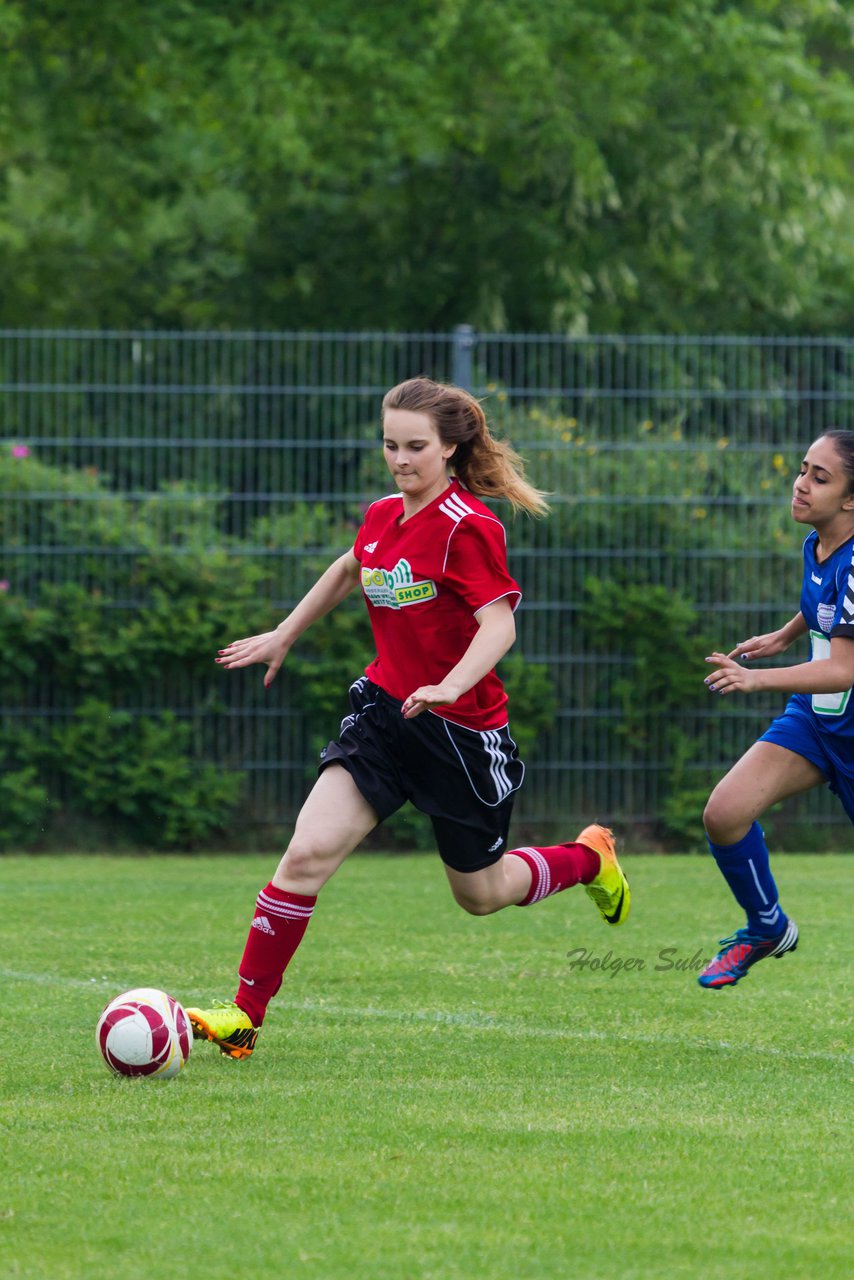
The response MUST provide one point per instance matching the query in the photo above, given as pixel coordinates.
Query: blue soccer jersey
(827, 603)
(820, 726)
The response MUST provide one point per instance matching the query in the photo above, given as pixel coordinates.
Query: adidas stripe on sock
(556, 867)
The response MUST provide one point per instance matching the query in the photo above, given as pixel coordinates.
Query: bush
(114, 710)
(154, 590)
(24, 808)
(147, 590)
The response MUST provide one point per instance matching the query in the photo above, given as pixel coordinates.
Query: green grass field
(433, 1095)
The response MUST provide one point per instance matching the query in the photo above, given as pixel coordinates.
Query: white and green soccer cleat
(610, 889)
(226, 1025)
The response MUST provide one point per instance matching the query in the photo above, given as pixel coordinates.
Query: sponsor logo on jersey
(395, 588)
(825, 613)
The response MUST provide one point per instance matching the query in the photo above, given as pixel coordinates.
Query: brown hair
(487, 467)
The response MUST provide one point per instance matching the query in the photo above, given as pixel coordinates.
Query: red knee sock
(276, 931)
(558, 866)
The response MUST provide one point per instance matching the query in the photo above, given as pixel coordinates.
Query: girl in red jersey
(432, 564)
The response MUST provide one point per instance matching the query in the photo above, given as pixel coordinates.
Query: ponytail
(487, 467)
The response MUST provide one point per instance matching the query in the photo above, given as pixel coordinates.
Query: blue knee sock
(747, 871)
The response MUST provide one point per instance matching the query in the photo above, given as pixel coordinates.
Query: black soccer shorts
(463, 779)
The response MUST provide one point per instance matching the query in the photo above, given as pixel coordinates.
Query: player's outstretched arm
(271, 647)
(496, 632)
(833, 674)
(773, 642)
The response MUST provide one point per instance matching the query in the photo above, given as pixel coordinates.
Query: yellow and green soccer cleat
(610, 889)
(227, 1026)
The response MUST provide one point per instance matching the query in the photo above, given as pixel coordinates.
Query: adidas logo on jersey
(262, 923)
(455, 508)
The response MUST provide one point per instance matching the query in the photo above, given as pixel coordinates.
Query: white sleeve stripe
(454, 507)
(503, 596)
(847, 618)
(456, 501)
(457, 520)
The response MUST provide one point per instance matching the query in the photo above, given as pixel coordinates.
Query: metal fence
(669, 461)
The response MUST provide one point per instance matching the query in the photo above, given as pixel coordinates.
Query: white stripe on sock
(756, 881)
(544, 887)
(287, 910)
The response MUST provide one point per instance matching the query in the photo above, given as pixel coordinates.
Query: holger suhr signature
(667, 958)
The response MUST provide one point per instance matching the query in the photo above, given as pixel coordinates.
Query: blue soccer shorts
(797, 731)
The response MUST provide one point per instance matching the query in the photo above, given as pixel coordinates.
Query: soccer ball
(144, 1032)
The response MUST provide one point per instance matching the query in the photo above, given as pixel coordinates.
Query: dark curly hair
(844, 441)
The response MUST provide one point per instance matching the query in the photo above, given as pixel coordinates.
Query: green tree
(586, 165)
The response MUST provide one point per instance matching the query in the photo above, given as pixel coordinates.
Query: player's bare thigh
(765, 774)
(333, 820)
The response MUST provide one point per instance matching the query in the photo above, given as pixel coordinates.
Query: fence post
(463, 340)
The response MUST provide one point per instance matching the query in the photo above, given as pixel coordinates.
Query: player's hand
(730, 676)
(760, 646)
(269, 648)
(429, 695)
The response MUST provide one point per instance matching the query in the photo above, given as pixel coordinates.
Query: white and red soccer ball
(144, 1032)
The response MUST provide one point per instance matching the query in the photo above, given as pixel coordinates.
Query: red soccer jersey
(423, 582)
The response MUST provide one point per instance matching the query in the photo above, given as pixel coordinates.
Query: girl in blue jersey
(812, 742)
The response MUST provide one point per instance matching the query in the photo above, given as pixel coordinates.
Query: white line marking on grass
(485, 1022)
(53, 980)
(473, 1021)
